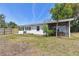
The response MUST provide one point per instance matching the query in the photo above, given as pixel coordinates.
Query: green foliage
(47, 30)
(65, 11)
(3, 24)
(12, 25)
(62, 11)
(75, 25)
(2, 21)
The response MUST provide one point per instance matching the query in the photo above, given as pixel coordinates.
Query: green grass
(39, 45)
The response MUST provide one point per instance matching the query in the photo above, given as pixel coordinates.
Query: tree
(47, 30)
(4, 24)
(75, 23)
(12, 25)
(2, 21)
(76, 9)
(61, 11)
(56, 15)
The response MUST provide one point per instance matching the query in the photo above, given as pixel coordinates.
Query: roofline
(33, 24)
(61, 20)
(52, 21)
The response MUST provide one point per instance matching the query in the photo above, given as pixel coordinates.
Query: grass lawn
(28, 45)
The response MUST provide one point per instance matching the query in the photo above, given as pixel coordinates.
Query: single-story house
(63, 27)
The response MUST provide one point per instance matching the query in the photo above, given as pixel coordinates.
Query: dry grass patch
(39, 45)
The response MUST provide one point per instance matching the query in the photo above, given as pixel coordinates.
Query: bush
(47, 30)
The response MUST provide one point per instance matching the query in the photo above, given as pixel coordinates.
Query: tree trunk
(57, 29)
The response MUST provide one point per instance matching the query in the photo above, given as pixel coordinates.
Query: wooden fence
(8, 31)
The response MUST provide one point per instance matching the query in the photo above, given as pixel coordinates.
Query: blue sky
(26, 13)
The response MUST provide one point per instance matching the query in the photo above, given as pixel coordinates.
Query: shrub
(47, 30)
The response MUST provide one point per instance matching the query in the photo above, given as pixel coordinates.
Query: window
(21, 28)
(25, 28)
(38, 28)
(29, 28)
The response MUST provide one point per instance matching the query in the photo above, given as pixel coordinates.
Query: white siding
(20, 32)
(34, 30)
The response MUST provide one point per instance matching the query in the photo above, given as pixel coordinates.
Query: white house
(32, 29)
(63, 27)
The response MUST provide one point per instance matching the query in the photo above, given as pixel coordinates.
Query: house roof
(33, 24)
(51, 21)
(62, 20)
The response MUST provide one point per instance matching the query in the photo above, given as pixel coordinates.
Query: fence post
(4, 31)
(11, 31)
